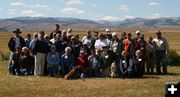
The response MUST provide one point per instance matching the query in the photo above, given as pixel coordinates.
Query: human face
(158, 36)
(82, 55)
(115, 37)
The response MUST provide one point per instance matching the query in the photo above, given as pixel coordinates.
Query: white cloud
(71, 10)
(155, 15)
(12, 11)
(124, 8)
(74, 2)
(93, 5)
(32, 13)
(21, 4)
(109, 18)
(129, 17)
(153, 3)
(114, 18)
(46, 7)
(42, 6)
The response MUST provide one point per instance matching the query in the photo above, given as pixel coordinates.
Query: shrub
(4, 57)
(173, 58)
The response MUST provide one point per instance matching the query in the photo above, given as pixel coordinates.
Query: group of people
(62, 53)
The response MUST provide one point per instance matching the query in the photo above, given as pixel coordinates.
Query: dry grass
(151, 85)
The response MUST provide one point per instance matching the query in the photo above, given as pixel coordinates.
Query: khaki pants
(39, 64)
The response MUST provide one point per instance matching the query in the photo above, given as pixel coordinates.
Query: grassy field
(149, 86)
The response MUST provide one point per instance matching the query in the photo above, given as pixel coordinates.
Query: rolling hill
(47, 23)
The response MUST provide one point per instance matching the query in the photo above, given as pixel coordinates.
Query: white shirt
(87, 41)
(53, 40)
(161, 44)
(100, 43)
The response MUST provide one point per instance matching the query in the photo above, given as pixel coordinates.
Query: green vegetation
(173, 58)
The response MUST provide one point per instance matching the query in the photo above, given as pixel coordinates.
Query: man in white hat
(108, 36)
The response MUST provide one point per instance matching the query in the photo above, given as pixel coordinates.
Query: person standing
(75, 46)
(40, 50)
(129, 45)
(88, 39)
(150, 55)
(99, 43)
(27, 40)
(57, 30)
(161, 51)
(15, 41)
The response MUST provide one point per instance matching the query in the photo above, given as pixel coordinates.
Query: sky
(112, 10)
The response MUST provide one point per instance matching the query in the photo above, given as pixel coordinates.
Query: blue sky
(90, 9)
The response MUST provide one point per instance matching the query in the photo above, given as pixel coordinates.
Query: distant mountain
(47, 23)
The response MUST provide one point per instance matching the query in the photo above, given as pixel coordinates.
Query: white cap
(114, 34)
(69, 30)
(138, 32)
(107, 30)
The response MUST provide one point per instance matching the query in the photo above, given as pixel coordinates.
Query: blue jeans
(26, 72)
(95, 72)
(161, 57)
(52, 71)
(15, 70)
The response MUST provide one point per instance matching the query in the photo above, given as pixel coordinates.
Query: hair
(96, 32)
(53, 46)
(137, 52)
(68, 49)
(24, 49)
(28, 35)
(57, 25)
(35, 35)
(124, 53)
(101, 35)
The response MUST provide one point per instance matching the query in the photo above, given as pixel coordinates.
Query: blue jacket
(126, 65)
(52, 59)
(68, 61)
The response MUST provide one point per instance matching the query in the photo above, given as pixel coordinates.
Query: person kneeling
(53, 61)
(139, 64)
(126, 65)
(25, 62)
(81, 68)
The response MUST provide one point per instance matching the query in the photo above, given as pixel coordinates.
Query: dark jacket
(25, 61)
(76, 47)
(59, 47)
(41, 47)
(107, 58)
(12, 43)
(139, 66)
(119, 46)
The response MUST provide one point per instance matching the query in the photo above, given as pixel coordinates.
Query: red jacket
(83, 61)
